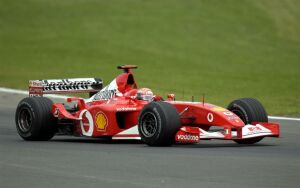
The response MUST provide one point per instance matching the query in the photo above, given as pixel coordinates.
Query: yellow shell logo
(101, 121)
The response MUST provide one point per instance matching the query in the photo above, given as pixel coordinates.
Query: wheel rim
(25, 120)
(149, 124)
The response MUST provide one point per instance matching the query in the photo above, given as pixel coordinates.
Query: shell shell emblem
(101, 121)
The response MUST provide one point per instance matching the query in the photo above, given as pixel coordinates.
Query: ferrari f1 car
(121, 110)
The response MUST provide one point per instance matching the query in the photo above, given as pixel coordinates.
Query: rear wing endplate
(74, 85)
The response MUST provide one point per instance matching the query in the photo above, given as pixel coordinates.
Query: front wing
(188, 134)
(194, 134)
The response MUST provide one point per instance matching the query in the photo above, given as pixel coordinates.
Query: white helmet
(144, 94)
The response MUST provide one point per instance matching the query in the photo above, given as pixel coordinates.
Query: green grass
(226, 49)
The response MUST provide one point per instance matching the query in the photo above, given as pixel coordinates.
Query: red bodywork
(117, 116)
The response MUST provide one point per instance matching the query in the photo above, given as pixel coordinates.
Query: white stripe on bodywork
(210, 135)
(126, 138)
(89, 117)
(130, 133)
(133, 130)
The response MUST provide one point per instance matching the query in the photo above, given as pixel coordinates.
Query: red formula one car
(122, 111)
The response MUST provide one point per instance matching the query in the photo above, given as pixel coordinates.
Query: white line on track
(22, 92)
(284, 118)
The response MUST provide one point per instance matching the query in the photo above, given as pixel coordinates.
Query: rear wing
(74, 85)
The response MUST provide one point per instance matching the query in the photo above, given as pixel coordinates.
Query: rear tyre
(249, 110)
(34, 120)
(158, 124)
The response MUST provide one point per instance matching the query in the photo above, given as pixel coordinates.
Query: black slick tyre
(158, 124)
(249, 110)
(34, 120)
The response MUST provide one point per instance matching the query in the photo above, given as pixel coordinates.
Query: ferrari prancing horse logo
(101, 121)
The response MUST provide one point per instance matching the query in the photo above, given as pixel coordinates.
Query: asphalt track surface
(80, 162)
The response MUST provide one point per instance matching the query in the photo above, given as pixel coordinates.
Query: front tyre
(34, 120)
(158, 124)
(249, 110)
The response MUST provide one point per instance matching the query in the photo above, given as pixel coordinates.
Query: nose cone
(225, 117)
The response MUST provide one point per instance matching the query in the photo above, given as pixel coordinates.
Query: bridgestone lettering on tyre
(249, 110)
(158, 124)
(34, 120)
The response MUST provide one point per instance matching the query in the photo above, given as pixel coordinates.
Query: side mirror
(171, 97)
